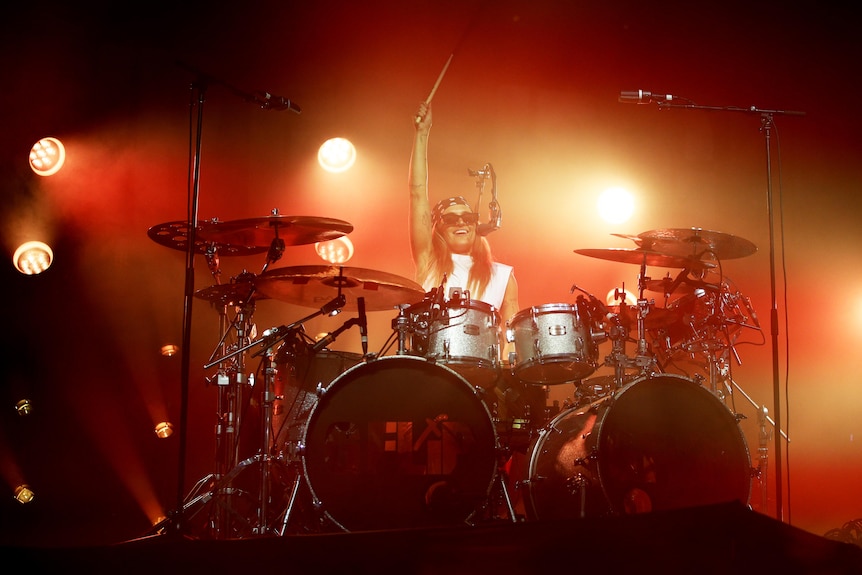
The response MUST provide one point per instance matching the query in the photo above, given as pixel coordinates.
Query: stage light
(32, 258)
(615, 205)
(335, 251)
(170, 350)
(164, 429)
(24, 494)
(24, 407)
(47, 156)
(336, 155)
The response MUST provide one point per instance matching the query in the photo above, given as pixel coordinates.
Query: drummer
(445, 243)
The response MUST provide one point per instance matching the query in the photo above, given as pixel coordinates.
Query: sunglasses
(468, 218)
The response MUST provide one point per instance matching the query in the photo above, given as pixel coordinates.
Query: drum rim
(476, 396)
(538, 446)
(538, 309)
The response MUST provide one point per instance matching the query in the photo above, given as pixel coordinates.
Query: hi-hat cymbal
(644, 257)
(315, 286)
(696, 242)
(259, 232)
(230, 294)
(176, 235)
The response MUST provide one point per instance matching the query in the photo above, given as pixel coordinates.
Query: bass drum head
(399, 443)
(661, 442)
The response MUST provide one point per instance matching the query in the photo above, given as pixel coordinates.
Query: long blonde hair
(440, 263)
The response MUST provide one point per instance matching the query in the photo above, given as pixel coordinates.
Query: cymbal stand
(644, 360)
(264, 456)
(232, 380)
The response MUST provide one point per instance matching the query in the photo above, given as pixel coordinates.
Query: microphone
(363, 324)
(278, 103)
(323, 342)
(330, 337)
(478, 173)
(643, 97)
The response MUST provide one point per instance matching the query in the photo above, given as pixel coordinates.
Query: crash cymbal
(315, 286)
(259, 232)
(176, 235)
(655, 317)
(696, 242)
(645, 257)
(230, 294)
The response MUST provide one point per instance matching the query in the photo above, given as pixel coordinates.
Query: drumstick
(436, 85)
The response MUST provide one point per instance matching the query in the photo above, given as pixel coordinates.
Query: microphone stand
(200, 87)
(766, 125)
(265, 101)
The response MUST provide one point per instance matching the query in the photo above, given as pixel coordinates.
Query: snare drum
(553, 344)
(463, 334)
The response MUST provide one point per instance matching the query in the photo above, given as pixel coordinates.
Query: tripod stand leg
(502, 476)
(291, 502)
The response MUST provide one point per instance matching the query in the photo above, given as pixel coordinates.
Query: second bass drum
(661, 442)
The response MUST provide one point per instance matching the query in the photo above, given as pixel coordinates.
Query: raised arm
(420, 209)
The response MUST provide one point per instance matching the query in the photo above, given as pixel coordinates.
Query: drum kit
(425, 431)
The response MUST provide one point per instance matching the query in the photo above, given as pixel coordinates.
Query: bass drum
(399, 442)
(661, 442)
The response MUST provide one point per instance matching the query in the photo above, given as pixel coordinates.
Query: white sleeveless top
(495, 290)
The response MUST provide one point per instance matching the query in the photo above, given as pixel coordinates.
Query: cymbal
(655, 317)
(259, 232)
(664, 284)
(315, 286)
(229, 294)
(645, 257)
(176, 235)
(695, 242)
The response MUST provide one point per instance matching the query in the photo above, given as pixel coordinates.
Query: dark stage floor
(726, 538)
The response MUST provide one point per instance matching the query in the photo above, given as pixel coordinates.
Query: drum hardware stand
(579, 484)
(268, 341)
(230, 387)
(402, 326)
(765, 435)
(644, 360)
(500, 491)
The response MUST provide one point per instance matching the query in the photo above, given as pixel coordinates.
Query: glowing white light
(336, 155)
(615, 205)
(33, 258)
(335, 251)
(47, 156)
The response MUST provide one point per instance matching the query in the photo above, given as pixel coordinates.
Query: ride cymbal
(644, 257)
(696, 242)
(259, 232)
(314, 286)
